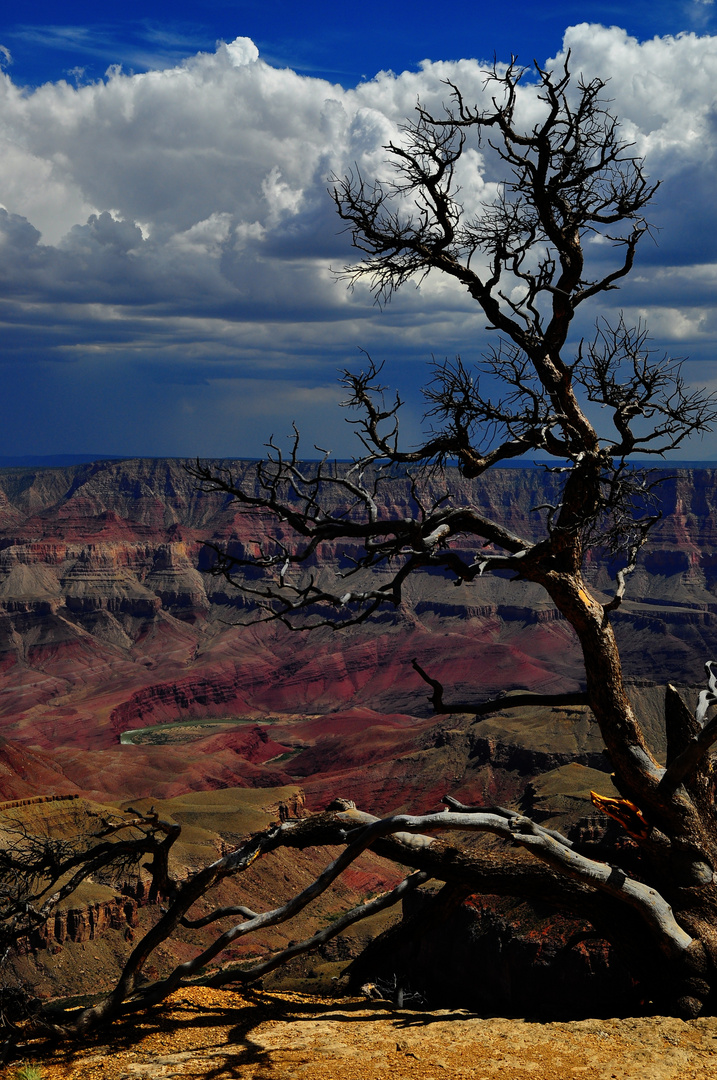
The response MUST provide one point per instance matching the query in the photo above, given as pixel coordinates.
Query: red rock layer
(109, 622)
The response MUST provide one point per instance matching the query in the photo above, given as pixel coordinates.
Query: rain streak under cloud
(168, 240)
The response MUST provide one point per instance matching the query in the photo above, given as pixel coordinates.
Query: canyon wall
(110, 623)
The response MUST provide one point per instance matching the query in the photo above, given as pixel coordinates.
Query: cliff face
(79, 925)
(110, 624)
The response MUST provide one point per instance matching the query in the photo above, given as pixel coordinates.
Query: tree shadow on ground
(220, 1030)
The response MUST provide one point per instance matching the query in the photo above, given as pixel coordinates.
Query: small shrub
(28, 1072)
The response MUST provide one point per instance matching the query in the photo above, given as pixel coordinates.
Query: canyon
(110, 623)
(130, 675)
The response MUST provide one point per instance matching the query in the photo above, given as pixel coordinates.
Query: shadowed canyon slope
(123, 675)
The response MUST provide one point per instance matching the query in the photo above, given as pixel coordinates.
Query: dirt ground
(215, 1035)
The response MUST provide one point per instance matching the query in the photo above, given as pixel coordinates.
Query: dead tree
(524, 260)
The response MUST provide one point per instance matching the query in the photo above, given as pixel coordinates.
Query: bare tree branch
(234, 973)
(506, 701)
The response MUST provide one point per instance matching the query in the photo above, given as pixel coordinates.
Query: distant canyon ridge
(123, 673)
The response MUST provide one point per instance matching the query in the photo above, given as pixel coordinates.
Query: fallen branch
(411, 836)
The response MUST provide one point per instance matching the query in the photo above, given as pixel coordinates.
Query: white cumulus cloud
(175, 225)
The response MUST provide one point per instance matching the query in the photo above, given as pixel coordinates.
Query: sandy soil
(279, 1036)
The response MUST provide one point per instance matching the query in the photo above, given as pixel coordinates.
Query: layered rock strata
(111, 623)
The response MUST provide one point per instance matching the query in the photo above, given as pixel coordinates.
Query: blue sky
(167, 237)
(325, 39)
